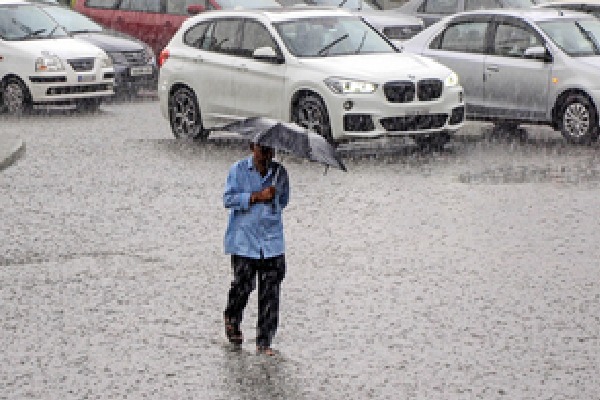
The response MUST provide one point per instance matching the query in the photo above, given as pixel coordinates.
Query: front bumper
(133, 78)
(371, 115)
(64, 87)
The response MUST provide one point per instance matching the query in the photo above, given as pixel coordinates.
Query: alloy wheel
(185, 115)
(576, 120)
(14, 97)
(311, 113)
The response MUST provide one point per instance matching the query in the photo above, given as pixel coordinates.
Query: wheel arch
(562, 97)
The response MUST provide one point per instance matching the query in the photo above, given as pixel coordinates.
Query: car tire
(577, 119)
(311, 113)
(88, 105)
(184, 115)
(434, 141)
(16, 99)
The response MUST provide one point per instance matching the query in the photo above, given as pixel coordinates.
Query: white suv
(41, 64)
(324, 69)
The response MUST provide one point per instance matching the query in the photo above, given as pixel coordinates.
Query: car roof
(283, 13)
(531, 14)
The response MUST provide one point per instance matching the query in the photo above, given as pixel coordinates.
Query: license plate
(144, 70)
(86, 78)
(418, 111)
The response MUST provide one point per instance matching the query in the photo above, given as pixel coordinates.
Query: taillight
(162, 58)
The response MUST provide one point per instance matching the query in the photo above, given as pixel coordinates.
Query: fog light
(348, 104)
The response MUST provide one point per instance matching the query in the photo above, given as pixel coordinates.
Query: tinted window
(467, 37)
(481, 4)
(199, 36)
(254, 36)
(141, 5)
(512, 41)
(226, 36)
(180, 7)
(101, 3)
(439, 6)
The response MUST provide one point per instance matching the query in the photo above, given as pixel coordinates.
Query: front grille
(429, 89)
(401, 32)
(414, 122)
(56, 91)
(47, 79)
(358, 123)
(81, 64)
(457, 116)
(399, 91)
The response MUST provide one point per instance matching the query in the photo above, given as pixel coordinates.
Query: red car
(154, 21)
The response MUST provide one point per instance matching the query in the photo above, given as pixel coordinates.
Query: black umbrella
(287, 137)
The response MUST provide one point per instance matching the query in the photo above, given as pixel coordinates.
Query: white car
(326, 70)
(41, 64)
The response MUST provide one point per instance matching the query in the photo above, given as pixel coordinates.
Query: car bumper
(137, 77)
(372, 116)
(67, 87)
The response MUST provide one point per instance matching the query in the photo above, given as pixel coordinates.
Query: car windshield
(230, 4)
(519, 3)
(72, 21)
(577, 38)
(25, 22)
(331, 36)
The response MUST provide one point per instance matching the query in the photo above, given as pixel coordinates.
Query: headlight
(345, 86)
(48, 63)
(117, 58)
(106, 62)
(451, 80)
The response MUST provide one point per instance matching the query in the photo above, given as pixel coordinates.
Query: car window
(200, 36)
(254, 36)
(101, 3)
(72, 21)
(512, 41)
(331, 36)
(519, 3)
(26, 22)
(439, 6)
(577, 38)
(468, 37)
(179, 7)
(482, 4)
(226, 36)
(141, 5)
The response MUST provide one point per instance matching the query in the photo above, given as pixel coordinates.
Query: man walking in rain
(256, 191)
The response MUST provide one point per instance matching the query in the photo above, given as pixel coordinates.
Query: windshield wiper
(362, 42)
(330, 45)
(29, 32)
(86, 31)
(589, 35)
(342, 3)
(52, 31)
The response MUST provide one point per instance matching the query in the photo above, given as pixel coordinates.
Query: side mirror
(195, 9)
(537, 53)
(267, 54)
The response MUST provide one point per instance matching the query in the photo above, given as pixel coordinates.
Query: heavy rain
(460, 270)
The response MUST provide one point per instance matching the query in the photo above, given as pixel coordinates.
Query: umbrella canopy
(288, 137)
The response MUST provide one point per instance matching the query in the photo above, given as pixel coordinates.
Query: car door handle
(493, 68)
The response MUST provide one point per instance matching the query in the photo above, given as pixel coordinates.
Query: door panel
(258, 84)
(515, 86)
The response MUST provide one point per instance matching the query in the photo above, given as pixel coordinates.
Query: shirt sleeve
(233, 196)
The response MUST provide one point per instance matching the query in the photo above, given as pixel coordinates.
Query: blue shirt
(255, 228)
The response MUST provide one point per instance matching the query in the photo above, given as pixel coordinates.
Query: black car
(134, 61)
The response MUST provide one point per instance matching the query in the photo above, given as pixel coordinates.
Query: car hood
(591, 61)
(108, 42)
(379, 68)
(65, 48)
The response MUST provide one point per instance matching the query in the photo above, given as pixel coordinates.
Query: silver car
(535, 66)
(586, 6)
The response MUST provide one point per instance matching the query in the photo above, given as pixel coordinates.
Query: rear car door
(258, 84)
(462, 47)
(516, 87)
(210, 65)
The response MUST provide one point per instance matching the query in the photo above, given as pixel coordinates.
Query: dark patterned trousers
(271, 272)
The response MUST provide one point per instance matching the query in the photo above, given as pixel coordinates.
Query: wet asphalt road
(470, 273)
